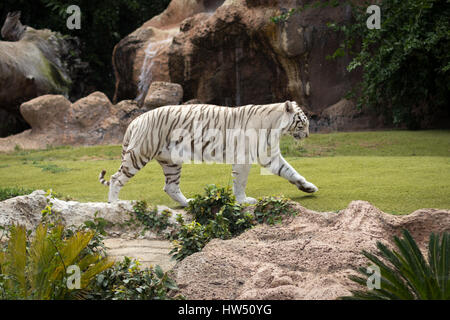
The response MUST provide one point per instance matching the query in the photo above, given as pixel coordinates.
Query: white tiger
(166, 132)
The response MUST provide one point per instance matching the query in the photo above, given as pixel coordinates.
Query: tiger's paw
(308, 187)
(186, 203)
(248, 200)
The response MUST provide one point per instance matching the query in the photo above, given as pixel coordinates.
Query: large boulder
(345, 116)
(32, 63)
(163, 94)
(231, 53)
(54, 120)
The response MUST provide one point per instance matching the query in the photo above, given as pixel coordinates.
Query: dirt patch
(148, 252)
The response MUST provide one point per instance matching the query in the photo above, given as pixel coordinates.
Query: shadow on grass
(306, 196)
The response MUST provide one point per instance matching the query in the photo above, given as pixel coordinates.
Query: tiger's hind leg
(131, 164)
(240, 173)
(172, 173)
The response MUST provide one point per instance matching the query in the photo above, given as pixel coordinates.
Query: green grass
(397, 171)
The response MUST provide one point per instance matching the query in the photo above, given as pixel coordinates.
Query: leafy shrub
(191, 239)
(270, 210)
(405, 274)
(151, 219)
(204, 207)
(219, 206)
(405, 63)
(98, 225)
(7, 193)
(37, 268)
(217, 215)
(126, 281)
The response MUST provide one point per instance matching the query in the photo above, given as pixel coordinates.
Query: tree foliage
(405, 63)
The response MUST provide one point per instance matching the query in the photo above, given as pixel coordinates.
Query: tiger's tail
(126, 141)
(101, 178)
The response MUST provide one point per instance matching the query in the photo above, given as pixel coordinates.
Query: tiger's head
(297, 122)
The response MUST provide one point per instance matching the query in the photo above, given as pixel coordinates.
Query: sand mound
(308, 257)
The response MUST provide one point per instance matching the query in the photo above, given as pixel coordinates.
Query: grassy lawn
(398, 171)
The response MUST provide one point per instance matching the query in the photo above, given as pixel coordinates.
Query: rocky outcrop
(231, 53)
(344, 116)
(32, 63)
(54, 120)
(163, 94)
(306, 257)
(26, 211)
(123, 238)
(143, 56)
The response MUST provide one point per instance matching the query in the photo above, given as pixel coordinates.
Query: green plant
(38, 269)
(216, 215)
(405, 274)
(151, 219)
(220, 202)
(127, 281)
(52, 218)
(98, 225)
(270, 210)
(191, 239)
(405, 63)
(204, 207)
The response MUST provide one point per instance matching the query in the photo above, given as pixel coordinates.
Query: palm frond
(42, 275)
(41, 261)
(17, 258)
(405, 273)
(88, 275)
(390, 278)
(74, 245)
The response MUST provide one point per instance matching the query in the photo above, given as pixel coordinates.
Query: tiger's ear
(289, 106)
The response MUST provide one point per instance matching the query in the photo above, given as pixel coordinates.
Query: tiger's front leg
(172, 173)
(279, 166)
(240, 174)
